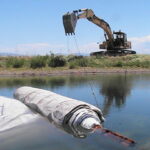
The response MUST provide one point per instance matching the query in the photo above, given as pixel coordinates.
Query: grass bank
(71, 63)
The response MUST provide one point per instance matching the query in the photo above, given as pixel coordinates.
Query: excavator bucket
(69, 22)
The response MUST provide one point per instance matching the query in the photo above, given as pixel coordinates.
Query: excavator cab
(120, 35)
(120, 40)
(69, 22)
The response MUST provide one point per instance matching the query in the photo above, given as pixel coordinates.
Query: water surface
(124, 100)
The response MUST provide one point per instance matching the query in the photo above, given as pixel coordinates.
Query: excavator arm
(115, 43)
(70, 20)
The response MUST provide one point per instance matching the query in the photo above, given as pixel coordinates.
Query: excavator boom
(70, 20)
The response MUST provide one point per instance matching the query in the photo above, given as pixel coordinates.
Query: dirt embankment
(70, 71)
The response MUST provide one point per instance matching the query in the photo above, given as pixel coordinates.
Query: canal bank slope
(65, 71)
(71, 64)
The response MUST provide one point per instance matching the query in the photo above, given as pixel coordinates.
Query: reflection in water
(115, 90)
(52, 82)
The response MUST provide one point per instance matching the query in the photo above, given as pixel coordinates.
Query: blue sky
(35, 26)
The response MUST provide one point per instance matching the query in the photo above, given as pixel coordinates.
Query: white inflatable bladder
(14, 113)
(73, 116)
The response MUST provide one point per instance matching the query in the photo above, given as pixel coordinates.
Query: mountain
(8, 54)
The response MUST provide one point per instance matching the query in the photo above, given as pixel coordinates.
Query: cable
(91, 84)
(68, 45)
(76, 44)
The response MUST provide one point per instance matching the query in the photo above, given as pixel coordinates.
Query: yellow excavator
(115, 42)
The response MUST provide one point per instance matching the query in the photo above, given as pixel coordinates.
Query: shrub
(18, 63)
(81, 62)
(38, 62)
(72, 65)
(57, 61)
(15, 62)
(118, 64)
(73, 57)
(145, 64)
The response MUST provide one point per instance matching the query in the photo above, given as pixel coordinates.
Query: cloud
(34, 49)
(88, 48)
(141, 39)
(141, 44)
(39, 48)
(46, 48)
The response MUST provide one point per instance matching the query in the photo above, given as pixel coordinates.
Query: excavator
(115, 43)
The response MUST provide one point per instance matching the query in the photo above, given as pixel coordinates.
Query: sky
(34, 27)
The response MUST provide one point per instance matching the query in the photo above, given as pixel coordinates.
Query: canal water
(123, 98)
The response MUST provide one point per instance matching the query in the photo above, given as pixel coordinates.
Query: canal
(123, 98)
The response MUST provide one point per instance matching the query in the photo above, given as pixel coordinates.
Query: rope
(76, 44)
(91, 84)
(116, 136)
(68, 45)
(93, 92)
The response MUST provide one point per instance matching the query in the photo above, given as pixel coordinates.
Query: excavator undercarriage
(115, 42)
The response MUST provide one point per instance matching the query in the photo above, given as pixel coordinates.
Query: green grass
(71, 62)
(57, 61)
(130, 61)
(15, 62)
(38, 62)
